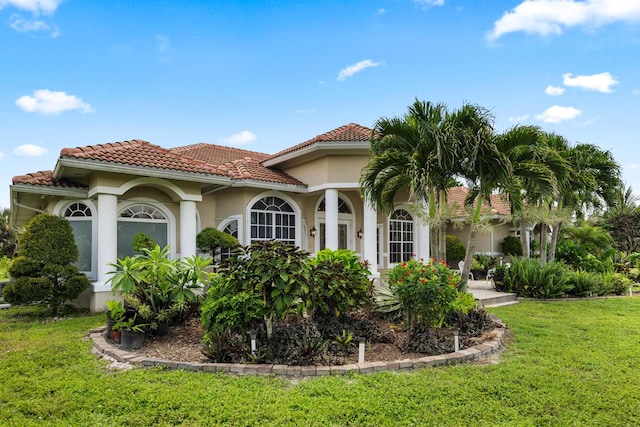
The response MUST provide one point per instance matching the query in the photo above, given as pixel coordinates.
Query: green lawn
(570, 363)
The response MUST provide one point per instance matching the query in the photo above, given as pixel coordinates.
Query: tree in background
(8, 235)
(211, 241)
(44, 270)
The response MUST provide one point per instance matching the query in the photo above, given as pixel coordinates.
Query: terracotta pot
(116, 336)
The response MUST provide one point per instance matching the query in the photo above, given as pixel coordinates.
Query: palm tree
(594, 181)
(413, 152)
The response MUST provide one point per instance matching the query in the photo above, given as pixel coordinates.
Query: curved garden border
(477, 351)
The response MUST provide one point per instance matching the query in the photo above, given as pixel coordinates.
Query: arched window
(343, 207)
(273, 218)
(400, 236)
(81, 219)
(232, 228)
(138, 218)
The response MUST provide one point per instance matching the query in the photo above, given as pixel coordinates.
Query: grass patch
(570, 363)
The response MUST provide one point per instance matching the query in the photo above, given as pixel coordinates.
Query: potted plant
(132, 334)
(156, 287)
(498, 278)
(115, 313)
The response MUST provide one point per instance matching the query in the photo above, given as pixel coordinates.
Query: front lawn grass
(570, 363)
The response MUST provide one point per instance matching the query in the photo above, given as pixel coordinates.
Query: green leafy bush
(427, 292)
(584, 283)
(44, 269)
(511, 246)
(613, 283)
(340, 282)
(159, 288)
(270, 279)
(210, 240)
(142, 241)
(528, 278)
(455, 249)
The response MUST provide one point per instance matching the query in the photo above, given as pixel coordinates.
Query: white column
(331, 218)
(369, 242)
(188, 227)
(422, 242)
(107, 238)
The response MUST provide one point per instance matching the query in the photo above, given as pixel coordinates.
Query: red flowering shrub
(426, 291)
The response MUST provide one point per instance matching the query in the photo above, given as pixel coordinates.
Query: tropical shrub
(159, 288)
(210, 240)
(511, 246)
(528, 278)
(5, 262)
(44, 270)
(584, 283)
(455, 249)
(426, 291)
(270, 278)
(340, 282)
(613, 283)
(142, 241)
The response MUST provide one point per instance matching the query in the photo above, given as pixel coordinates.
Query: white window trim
(296, 211)
(170, 218)
(390, 264)
(60, 209)
(348, 219)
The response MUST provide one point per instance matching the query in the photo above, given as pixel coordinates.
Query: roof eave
(317, 146)
(97, 165)
(48, 190)
(268, 185)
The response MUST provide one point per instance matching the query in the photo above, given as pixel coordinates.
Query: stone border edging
(477, 351)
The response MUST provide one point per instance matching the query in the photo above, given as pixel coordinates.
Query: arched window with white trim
(143, 218)
(400, 236)
(273, 218)
(230, 226)
(80, 218)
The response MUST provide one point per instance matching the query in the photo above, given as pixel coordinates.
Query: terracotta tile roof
(251, 169)
(217, 154)
(45, 178)
(499, 204)
(142, 154)
(348, 133)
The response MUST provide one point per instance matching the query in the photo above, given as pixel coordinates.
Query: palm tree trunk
(442, 238)
(555, 234)
(471, 244)
(543, 243)
(523, 238)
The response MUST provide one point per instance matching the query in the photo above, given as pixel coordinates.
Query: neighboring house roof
(499, 204)
(45, 178)
(348, 133)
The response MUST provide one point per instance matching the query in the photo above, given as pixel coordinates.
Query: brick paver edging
(103, 347)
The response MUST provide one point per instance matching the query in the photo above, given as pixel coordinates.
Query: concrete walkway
(487, 296)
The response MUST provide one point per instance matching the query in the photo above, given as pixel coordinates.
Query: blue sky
(265, 75)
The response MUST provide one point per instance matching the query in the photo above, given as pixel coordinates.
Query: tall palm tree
(414, 152)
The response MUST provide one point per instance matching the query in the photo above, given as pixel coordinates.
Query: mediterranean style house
(307, 195)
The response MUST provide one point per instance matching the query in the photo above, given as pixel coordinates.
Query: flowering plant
(427, 291)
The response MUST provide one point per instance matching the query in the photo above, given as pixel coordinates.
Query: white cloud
(163, 43)
(428, 3)
(1, 155)
(557, 114)
(45, 101)
(243, 137)
(599, 82)
(546, 17)
(519, 119)
(356, 68)
(380, 11)
(554, 91)
(29, 150)
(635, 92)
(27, 25)
(36, 7)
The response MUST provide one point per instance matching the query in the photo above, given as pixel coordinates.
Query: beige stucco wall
(329, 169)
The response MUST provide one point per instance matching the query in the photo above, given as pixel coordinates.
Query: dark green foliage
(44, 271)
(425, 340)
(624, 228)
(211, 240)
(362, 328)
(613, 283)
(511, 246)
(227, 347)
(142, 241)
(8, 235)
(472, 324)
(584, 283)
(341, 282)
(455, 249)
(263, 281)
(586, 247)
(528, 278)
